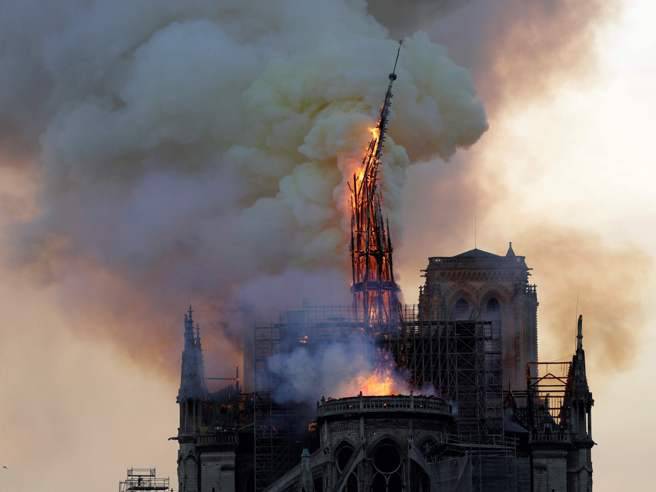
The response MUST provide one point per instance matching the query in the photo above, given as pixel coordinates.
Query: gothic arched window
(343, 456)
(387, 468)
(461, 310)
(387, 458)
(493, 306)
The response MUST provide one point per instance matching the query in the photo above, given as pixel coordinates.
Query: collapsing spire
(192, 370)
(375, 293)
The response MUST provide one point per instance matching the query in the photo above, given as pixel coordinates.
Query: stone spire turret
(579, 404)
(192, 371)
(580, 379)
(511, 251)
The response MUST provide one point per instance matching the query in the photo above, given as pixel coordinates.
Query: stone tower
(579, 403)
(192, 393)
(207, 434)
(560, 425)
(477, 285)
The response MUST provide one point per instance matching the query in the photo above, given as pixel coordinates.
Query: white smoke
(190, 147)
(334, 370)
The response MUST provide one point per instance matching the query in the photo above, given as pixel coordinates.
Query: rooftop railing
(377, 404)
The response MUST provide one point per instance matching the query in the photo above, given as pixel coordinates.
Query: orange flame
(384, 380)
(359, 173)
(380, 383)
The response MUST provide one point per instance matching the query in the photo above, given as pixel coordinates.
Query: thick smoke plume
(185, 149)
(335, 370)
(188, 151)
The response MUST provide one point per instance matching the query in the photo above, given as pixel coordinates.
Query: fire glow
(359, 168)
(375, 133)
(383, 380)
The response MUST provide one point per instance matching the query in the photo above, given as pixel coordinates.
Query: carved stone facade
(207, 454)
(407, 443)
(380, 444)
(206, 460)
(477, 285)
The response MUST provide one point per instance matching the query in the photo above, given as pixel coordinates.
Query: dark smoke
(95, 95)
(189, 152)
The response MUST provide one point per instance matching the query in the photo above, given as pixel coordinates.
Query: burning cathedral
(457, 399)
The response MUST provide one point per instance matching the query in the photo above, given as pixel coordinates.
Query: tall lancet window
(462, 309)
(493, 309)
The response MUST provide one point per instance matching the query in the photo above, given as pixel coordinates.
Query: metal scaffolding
(461, 360)
(279, 429)
(546, 412)
(306, 327)
(278, 439)
(143, 479)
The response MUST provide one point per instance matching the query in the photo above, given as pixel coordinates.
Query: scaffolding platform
(461, 360)
(143, 479)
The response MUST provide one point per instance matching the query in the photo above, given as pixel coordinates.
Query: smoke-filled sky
(187, 151)
(156, 153)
